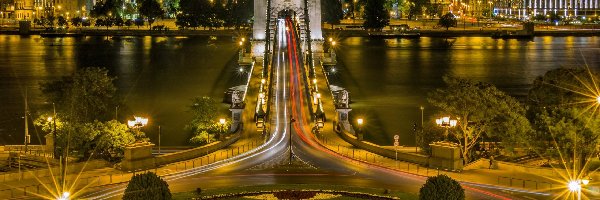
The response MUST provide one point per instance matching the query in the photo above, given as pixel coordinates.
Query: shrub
(441, 187)
(147, 186)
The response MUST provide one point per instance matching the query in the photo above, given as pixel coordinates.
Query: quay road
(255, 167)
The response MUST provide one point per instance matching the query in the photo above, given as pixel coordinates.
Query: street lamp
(64, 196)
(222, 125)
(447, 123)
(360, 122)
(577, 185)
(598, 99)
(137, 123)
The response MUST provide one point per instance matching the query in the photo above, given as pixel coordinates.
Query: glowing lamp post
(446, 122)
(139, 122)
(598, 99)
(575, 186)
(64, 196)
(360, 122)
(222, 125)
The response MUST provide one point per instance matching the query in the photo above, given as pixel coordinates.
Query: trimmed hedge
(441, 187)
(147, 186)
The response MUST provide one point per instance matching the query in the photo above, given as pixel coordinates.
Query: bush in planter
(147, 186)
(441, 187)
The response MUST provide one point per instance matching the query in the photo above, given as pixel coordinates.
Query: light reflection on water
(389, 79)
(157, 76)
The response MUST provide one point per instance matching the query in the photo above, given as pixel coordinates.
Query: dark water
(157, 77)
(389, 79)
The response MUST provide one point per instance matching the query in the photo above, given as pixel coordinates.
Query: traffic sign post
(396, 144)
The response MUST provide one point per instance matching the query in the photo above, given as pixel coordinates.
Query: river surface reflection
(157, 76)
(389, 79)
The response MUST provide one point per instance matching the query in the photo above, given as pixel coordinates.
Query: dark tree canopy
(376, 16)
(563, 106)
(331, 11)
(481, 109)
(88, 95)
(241, 12)
(204, 119)
(416, 8)
(147, 186)
(151, 9)
(448, 20)
(106, 8)
(441, 187)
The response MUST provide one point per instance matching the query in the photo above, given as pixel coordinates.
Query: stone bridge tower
(260, 17)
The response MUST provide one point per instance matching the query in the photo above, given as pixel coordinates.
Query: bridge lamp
(138, 122)
(333, 43)
(241, 43)
(64, 196)
(598, 99)
(263, 81)
(315, 81)
(243, 39)
(359, 121)
(241, 69)
(446, 122)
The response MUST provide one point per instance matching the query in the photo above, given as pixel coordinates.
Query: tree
(448, 20)
(119, 21)
(114, 137)
(106, 140)
(171, 7)
(416, 8)
(427, 135)
(441, 187)
(204, 117)
(151, 10)
(331, 12)
(138, 22)
(87, 95)
(50, 21)
(562, 104)
(433, 9)
(376, 16)
(147, 186)
(129, 11)
(480, 109)
(106, 8)
(62, 21)
(241, 12)
(76, 21)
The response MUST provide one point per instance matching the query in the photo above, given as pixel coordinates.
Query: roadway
(318, 164)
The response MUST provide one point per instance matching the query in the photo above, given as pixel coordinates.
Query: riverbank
(453, 32)
(134, 32)
(469, 33)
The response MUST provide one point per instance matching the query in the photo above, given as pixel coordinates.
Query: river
(388, 79)
(156, 76)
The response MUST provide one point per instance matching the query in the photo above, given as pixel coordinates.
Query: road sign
(396, 143)
(396, 137)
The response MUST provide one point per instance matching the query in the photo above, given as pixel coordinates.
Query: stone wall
(137, 163)
(376, 149)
